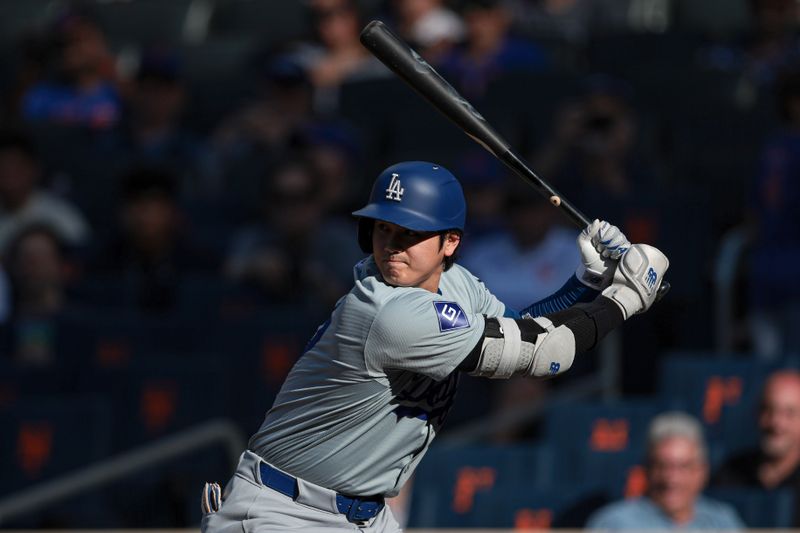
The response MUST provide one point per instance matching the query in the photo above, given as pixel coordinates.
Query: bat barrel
(423, 78)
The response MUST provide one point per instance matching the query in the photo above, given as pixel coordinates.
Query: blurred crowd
(226, 151)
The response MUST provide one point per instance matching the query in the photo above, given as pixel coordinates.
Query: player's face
(779, 418)
(677, 474)
(408, 258)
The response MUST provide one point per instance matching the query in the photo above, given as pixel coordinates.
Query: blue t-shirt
(642, 513)
(98, 107)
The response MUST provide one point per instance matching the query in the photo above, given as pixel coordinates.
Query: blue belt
(356, 509)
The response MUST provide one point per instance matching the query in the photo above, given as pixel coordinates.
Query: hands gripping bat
(416, 72)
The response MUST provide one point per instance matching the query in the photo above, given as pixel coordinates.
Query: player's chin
(396, 277)
(396, 280)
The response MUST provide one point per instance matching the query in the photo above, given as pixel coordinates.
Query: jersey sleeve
(486, 303)
(422, 334)
(489, 304)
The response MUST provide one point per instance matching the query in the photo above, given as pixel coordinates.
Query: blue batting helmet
(417, 195)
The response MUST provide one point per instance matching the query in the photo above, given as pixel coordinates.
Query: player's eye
(411, 233)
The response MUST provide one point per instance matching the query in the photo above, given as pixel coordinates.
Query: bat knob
(663, 290)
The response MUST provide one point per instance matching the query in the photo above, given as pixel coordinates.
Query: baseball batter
(374, 386)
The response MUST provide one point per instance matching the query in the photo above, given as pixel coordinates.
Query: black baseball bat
(417, 73)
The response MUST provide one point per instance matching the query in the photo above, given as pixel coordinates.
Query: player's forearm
(571, 293)
(589, 322)
(541, 346)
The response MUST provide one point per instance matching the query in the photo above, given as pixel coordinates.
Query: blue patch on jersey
(450, 316)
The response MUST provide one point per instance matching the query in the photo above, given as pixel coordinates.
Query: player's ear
(451, 241)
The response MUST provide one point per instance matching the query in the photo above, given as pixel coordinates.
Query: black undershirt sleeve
(589, 323)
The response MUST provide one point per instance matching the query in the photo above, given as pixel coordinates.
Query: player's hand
(637, 279)
(601, 245)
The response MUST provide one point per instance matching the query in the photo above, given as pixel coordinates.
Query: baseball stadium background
(176, 178)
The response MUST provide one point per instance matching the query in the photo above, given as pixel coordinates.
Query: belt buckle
(352, 512)
(357, 514)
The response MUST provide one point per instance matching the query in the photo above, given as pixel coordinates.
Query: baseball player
(374, 386)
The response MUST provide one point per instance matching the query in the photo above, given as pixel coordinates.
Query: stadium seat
(448, 481)
(19, 383)
(601, 442)
(522, 508)
(276, 21)
(159, 396)
(759, 508)
(717, 17)
(18, 17)
(48, 436)
(721, 391)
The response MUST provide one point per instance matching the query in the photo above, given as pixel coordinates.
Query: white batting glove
(637, 279)
(601, 245)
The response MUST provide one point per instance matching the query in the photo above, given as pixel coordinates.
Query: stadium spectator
(284, 104)
(532, 259)
(253, 139)
(38, 274)
(769, 46)
(295, 253)
(79, 90)
(591, 157)
(428, 25)
(24, 202)
(489, 51)
(485, 182)
(775, 212)
(335, 154)
(775, 463)
(773, 43)
(151, 132)
(151, 248)
(570, 21)
(337, 55)
(676, 472)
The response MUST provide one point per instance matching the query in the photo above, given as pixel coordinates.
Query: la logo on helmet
(395, 191)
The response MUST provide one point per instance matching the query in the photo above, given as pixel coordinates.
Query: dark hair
(787, 86)
(19, 141)
(144, 182)
(160, 64)
(450, 261)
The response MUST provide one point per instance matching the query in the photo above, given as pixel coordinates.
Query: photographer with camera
(592, 154)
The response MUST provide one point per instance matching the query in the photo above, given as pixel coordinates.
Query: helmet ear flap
(365, 226)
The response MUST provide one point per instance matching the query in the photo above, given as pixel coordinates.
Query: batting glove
(637, 279)
(601, 245)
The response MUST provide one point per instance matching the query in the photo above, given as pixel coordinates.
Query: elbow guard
(524, 347)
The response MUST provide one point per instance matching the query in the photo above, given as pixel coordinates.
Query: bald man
(775, 464)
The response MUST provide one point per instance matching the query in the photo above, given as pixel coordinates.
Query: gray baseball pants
(248, 506)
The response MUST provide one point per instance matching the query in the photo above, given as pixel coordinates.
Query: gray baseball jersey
(361, 406)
